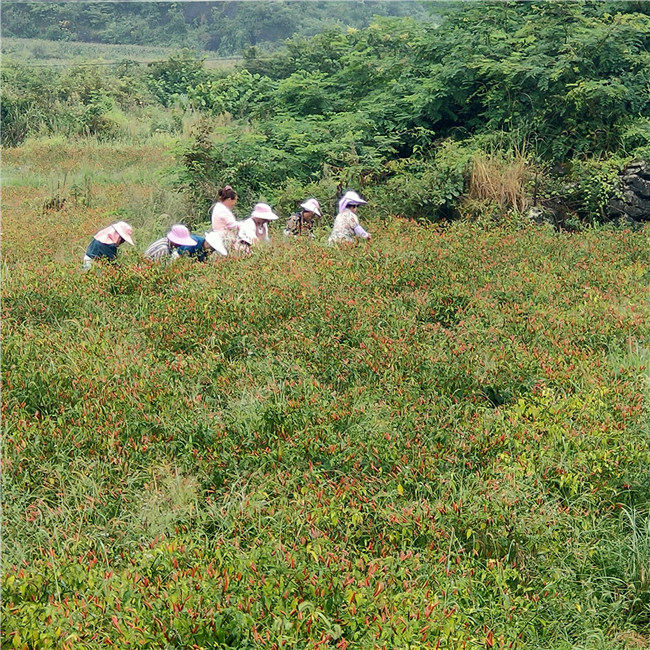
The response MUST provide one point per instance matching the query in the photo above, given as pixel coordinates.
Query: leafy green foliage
(79, 101)
(169, 79)
(223, 27)
(382, 107)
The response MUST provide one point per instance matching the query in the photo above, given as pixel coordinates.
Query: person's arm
(360, 232)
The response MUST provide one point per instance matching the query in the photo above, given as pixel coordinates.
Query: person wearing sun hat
(302, 222)
(255, 228)
(346, 225)
(166, 247)
(105, 243)
(204, 246)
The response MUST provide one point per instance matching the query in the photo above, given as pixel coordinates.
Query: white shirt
(251, 233)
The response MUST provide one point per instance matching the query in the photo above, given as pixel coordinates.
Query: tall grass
(499, 181)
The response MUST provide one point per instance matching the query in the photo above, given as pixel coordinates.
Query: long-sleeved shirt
(223, 220)
(347, 227)
(97, 250)
(197, 251)
(159, 250)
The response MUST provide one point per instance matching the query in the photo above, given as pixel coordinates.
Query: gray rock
(633, 200)
(639, 186)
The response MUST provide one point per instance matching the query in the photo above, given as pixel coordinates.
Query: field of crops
(40, 52)
(437, 440)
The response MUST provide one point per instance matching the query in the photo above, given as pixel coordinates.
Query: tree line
(404, 110)
(222, 27)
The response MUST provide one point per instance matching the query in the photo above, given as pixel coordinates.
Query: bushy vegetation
(555, 95)
(436, 439)
(222, 27)
(402, 109)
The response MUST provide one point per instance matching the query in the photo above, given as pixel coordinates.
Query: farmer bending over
(204, 246)
(105, 243)
(166, 248)
(302, 222)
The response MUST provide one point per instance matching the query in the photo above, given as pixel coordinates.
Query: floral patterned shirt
(344, 225)
(297, 226)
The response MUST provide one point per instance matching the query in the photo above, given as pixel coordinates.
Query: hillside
(221, 27)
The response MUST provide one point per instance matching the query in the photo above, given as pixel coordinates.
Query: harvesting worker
(302, 222)
(166, 248)
(346, 225)
(105, 243)
(221, 216)
(255, 229)
(203, 247)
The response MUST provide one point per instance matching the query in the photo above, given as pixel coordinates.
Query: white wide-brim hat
(264, 211)
(353, 198)
(215, 241)
(311, 205)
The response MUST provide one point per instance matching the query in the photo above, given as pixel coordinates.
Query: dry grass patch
(499, 182)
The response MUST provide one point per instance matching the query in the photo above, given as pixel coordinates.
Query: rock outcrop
(633, 203)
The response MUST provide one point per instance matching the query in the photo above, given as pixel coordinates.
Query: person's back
(199, 251)
(166, 248)
(105, 243)
(344, 225)
(97, 249)
(159, 250)
(221, 216)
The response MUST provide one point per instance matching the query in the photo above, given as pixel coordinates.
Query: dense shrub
(381, 108)
(79, 101)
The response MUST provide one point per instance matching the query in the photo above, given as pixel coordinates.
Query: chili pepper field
(439, 439)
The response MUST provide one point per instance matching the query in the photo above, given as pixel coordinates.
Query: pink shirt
(223, 219)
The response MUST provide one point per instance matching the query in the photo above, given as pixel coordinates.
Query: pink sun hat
(312, 205)
(264, 211)
(180, 235)
(111, 234)
(125, 231)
